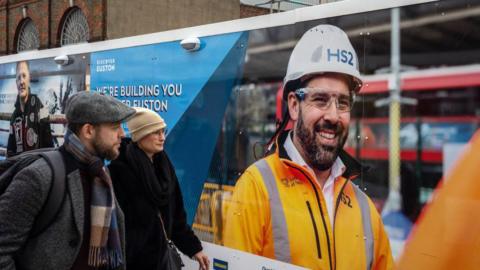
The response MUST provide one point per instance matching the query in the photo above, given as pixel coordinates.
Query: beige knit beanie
(144, 122)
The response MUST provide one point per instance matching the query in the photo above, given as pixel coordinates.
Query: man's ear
(87, 131)
(293, 106)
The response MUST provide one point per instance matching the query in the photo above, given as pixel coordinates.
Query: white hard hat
(324, 48)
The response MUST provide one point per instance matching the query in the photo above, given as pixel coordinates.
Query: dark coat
(145, 241)
(58, 246)
(28, 130)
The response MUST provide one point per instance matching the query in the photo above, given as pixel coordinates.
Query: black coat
(144, 237)
(27, 130)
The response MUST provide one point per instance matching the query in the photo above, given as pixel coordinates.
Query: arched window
(27, 37)
(75, 28)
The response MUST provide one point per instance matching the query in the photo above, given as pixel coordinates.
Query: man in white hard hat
(300, 204)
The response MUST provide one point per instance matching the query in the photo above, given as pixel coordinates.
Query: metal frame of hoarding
(345, 7)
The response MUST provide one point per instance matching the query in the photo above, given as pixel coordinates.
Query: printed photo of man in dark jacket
(29, 128)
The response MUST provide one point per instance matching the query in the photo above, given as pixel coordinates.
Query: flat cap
(94, 108)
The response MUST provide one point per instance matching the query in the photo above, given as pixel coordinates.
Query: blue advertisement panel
(190, 90)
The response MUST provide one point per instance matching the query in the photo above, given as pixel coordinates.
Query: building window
(28, 37)
(75, 28)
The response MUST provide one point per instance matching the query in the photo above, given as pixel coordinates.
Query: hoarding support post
(394, 198)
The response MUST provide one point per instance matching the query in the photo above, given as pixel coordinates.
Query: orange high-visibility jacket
(286, 218)
(446, 234)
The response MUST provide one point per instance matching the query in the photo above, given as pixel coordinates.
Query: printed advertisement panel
(189, 90)
(33, 96)
(292, 219)
(259, 199)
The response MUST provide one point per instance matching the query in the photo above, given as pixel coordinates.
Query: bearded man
(300, 204)
(88, 231)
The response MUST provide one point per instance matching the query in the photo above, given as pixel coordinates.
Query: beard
(318, 155)
(105, 151)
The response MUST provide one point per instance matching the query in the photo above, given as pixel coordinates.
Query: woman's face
(153, 142)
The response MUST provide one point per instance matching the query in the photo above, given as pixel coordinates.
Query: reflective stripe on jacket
(286, 219)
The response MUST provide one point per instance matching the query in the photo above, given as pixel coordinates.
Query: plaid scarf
(105, 248)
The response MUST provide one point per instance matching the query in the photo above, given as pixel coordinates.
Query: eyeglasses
(322, 99)
(162, 131)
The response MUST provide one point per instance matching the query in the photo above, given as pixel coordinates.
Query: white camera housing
(191, 44)
(62, 60)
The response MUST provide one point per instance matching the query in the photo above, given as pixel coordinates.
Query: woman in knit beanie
(146, 185)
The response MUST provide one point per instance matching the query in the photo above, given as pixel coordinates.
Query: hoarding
(220, 102)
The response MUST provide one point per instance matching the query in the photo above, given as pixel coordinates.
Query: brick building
(42, 24)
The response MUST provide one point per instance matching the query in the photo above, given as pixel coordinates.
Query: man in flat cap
(88, 230)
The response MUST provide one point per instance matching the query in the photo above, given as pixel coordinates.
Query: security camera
(62, 60)
(191, 44)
